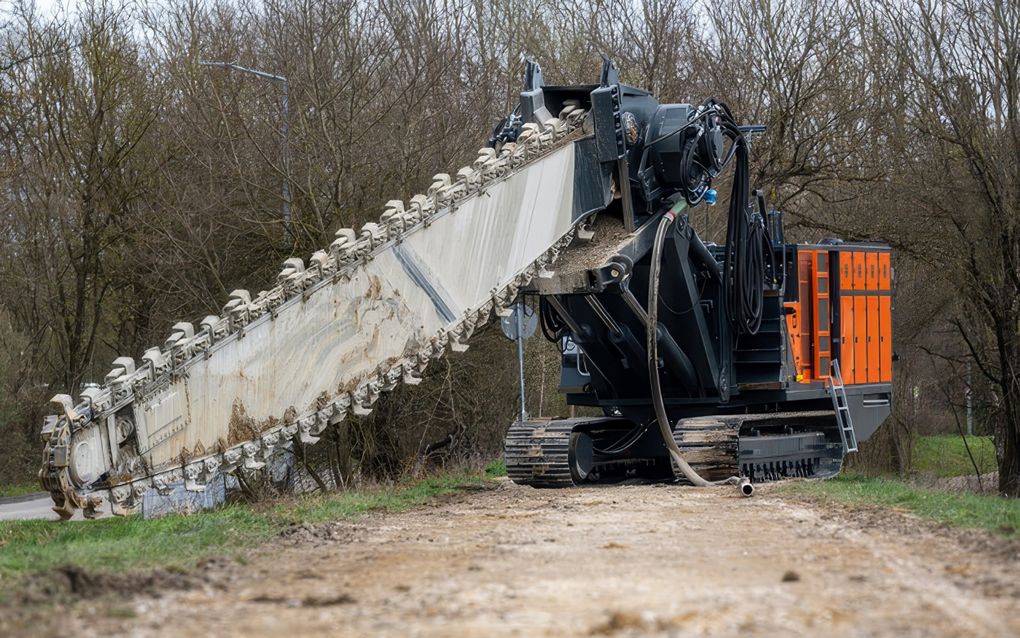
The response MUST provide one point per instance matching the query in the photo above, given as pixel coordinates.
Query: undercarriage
(760, 447)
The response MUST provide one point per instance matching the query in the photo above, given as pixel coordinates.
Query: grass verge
(496, 469)
(946, 456)
(180, 542)
(999, 515)
(19, 490)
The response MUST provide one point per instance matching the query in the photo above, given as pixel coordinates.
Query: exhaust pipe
(746, 487)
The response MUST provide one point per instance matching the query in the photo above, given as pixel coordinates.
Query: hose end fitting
(746, 487)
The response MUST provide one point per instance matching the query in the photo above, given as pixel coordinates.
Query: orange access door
(846, 315)
(860, 319)
(874, 325)
(885, 317)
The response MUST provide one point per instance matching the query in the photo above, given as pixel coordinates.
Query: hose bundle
(746, 240)
(701, 161)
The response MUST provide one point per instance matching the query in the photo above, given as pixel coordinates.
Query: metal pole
(520, 354)
(288, 236)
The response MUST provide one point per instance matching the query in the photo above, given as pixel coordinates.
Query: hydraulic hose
(747, 242)
(653, 368)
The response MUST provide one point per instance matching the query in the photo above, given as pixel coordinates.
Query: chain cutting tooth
(411, 373)
(97, 398)
(305, 429)
(468, 180)
(121, 500)
(391, 377)
(193, 477)
(394, 218)
(250, 456)
(365, 396)
(212, 466)
(374, 234)
(322, 418)
(343, 246)
(439, 191)
(291, 267)
(270, 440)
(182, 331)
(232, 459)
(157, 362)
(163, 483)
(287, 434)
(458, 336)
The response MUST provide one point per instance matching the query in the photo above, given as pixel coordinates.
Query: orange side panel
(884, 272)
(874, 361)
(846, 335)
(858, 271)
(860, 340)
(871, 261)
(860, 346)
(885, 343)
(846, 279)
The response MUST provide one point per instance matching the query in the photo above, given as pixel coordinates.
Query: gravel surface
(641, 560)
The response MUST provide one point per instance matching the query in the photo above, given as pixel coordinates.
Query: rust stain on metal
(374, 287)
(242, 427)
(322, 400)
(118, 479)
(350, 386)
(245, 428)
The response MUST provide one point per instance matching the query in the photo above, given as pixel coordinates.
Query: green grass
(496, 469)
(19, 490)
(179, 542)
(1000, 515)
(945, 455)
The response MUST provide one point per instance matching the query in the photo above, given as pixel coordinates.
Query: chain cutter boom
(369, 312)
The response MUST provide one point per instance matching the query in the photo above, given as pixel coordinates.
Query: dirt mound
(72, 582)
(318, 533)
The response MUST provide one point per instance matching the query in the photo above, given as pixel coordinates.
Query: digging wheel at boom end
(547, 453)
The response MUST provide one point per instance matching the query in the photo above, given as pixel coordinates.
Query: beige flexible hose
(652, 344)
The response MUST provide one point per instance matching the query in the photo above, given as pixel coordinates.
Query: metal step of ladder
(846, 424)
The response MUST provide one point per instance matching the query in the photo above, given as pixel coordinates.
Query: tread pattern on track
(537, 453)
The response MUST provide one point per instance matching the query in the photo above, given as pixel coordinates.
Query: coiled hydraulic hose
(653, 369)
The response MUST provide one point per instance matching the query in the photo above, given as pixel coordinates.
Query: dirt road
(625, 560)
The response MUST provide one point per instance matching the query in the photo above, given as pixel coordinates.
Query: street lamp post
(288, 236)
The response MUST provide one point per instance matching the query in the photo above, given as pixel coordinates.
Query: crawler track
(730, 445)
(540, 455)
(717, 447)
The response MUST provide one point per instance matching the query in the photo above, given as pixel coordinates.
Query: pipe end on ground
(746, 488)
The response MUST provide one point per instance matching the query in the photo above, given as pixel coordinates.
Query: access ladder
(838, 393)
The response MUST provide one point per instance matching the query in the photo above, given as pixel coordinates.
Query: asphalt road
(31, 506)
